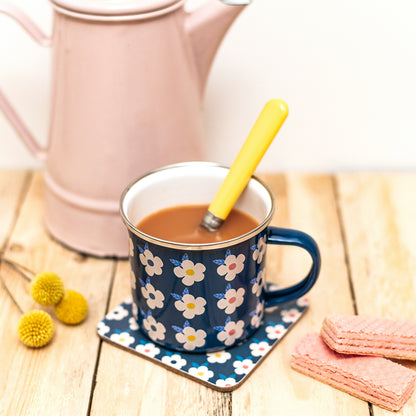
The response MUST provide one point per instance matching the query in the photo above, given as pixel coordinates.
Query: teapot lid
(114, 7)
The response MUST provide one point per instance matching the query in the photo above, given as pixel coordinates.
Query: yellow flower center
(191, 338)
(200, 373)
(218, 354)
(191, 306)
(190, 272)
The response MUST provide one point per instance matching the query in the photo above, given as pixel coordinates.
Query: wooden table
(365, 225)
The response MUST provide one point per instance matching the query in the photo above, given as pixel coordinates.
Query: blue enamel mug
(204, 297)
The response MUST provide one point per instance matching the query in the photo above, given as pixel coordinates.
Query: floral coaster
(221, 370)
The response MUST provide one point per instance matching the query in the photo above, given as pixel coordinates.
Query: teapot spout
(206, 28)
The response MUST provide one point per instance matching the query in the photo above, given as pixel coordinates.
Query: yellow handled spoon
(259, 139)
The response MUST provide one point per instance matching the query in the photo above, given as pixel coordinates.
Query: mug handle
(284, 236)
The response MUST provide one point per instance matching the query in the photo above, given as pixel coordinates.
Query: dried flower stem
(9, 293)
(22, 270)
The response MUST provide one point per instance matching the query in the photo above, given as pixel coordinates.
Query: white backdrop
(347, 70)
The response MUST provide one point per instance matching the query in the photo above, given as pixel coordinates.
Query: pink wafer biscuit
(374, 379)
(370, 336)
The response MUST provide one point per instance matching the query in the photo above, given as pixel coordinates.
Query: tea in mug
(181, 224)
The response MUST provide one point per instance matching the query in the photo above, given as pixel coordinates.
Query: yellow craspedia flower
(72, 309)
(47, 288)
(35, 328)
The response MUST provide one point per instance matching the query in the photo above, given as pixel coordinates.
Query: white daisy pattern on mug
(148, 349)
(188, 271)
(258, 283)
(131, 247)
(191, 338)
(132, 280)
(201, 372)
(257, 315)
(189, 305)
(154, 298)
(231, 299)
(155, 330)
(152, 264)
(259, 249)
(230, 332)
(231, 266)
(173, 360)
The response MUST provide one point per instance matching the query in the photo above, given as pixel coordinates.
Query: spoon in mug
(259, 139)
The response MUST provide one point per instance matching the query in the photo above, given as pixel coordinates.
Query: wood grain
(305, 202)
(55, 380)
(379, 218)
(13, 186)
(365, 225)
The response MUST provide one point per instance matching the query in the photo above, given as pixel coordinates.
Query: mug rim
(195, 246)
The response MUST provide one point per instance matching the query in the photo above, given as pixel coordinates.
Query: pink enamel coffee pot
(128, 78)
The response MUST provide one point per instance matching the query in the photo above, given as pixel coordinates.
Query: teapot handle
(5, 106)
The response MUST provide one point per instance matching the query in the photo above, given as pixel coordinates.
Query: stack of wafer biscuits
(348, 355)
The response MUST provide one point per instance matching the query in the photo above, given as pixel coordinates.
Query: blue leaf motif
(252, 281)
(196, 365)
(175, 262)
(240, 358)
(219, 328)
(177, 328)
(228, 287)
(222, 376)
(255, 340)
(219, 295)
(228, 320)
(143, 314)
(185, 292)
(254, 247)
(146, 246)
(140, 249)
(219, 262)
(186, 324)
(252, 313)
(227, 253)
(185, 257)
(176, 296)
(169, 353)
(117, 331)
(147, 280)
(142, 283)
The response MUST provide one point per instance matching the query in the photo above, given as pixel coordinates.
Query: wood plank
(135, 386)
(308, 203)
(378, 214)
(12, 185)
(55, 380)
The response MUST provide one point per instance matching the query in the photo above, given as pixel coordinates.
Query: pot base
(100, 234)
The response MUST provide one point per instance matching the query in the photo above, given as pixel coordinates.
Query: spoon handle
(259, 139)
